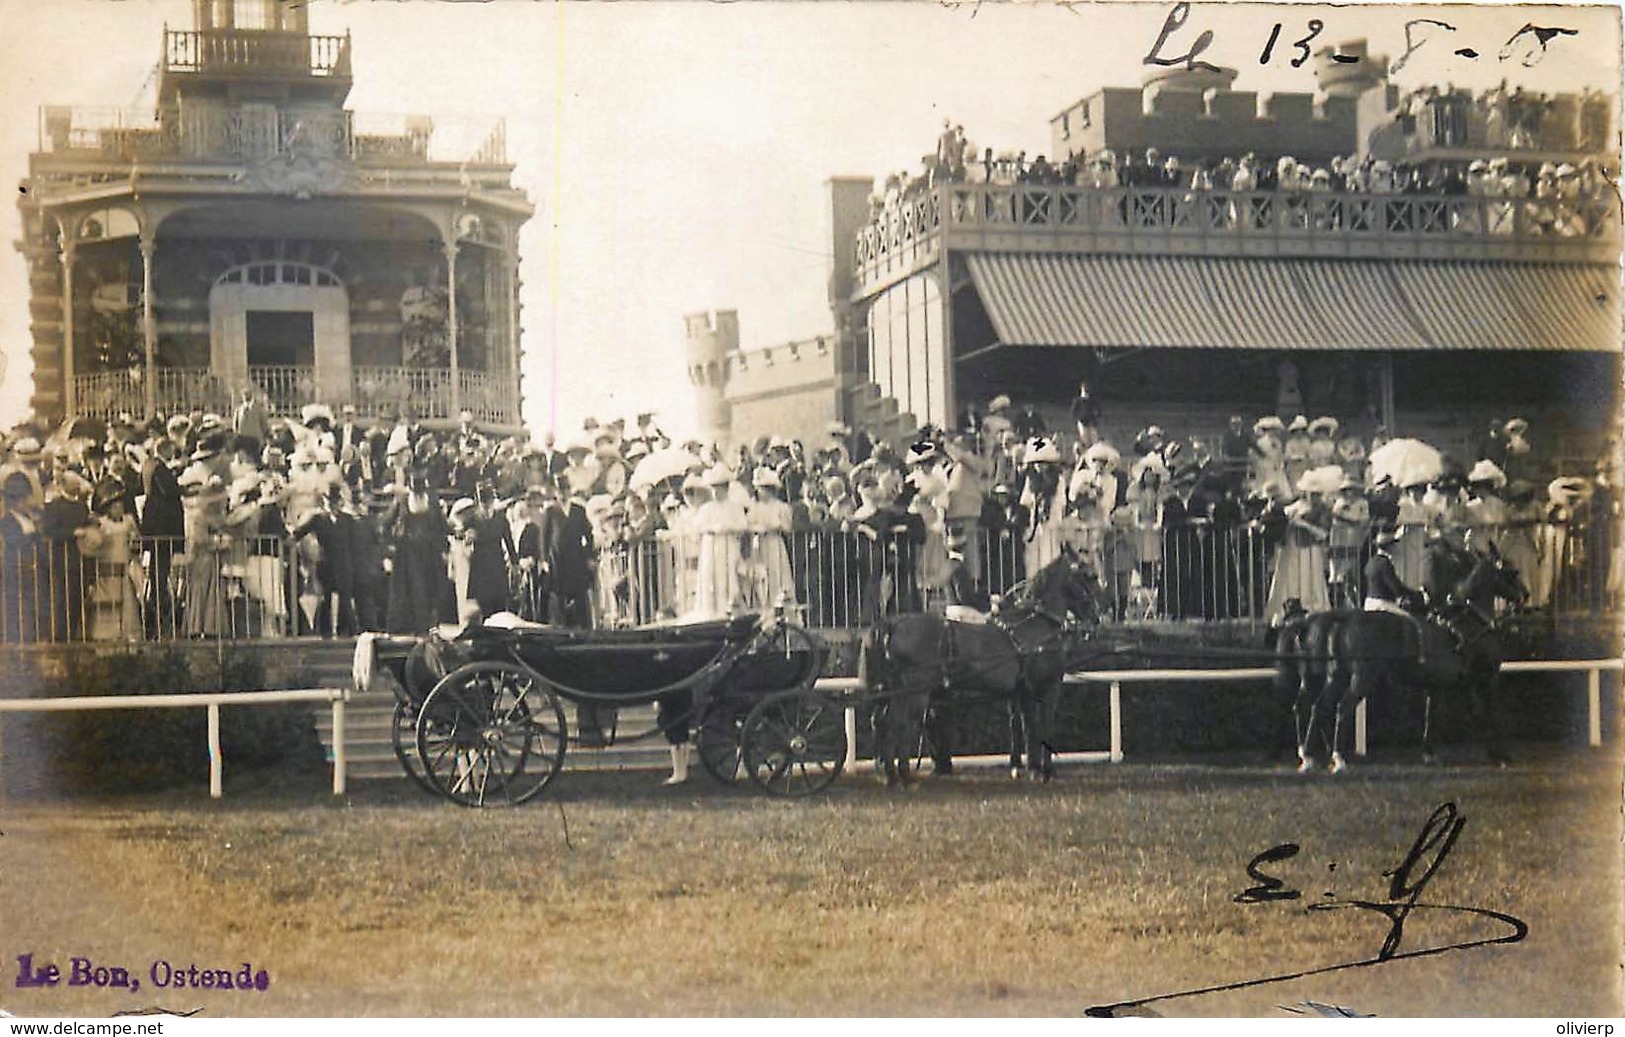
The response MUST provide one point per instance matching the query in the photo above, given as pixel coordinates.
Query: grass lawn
(975, 896)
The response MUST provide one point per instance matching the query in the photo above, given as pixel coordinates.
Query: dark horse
(1371, 651)
(1300, 670)
(1020, 654)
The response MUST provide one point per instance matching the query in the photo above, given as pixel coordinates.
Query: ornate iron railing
(207, 131)
(494, 398)
(256, 53)
(1182, 221)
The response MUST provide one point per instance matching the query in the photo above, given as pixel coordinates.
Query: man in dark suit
(162, 519)
(568, 558)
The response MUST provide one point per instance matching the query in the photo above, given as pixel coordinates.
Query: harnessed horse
(1369, 651)
(1019, 655)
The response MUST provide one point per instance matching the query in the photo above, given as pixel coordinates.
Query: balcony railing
(493, 398)
(1181, 221)
(211, 132)
(256, 53)
(232, 585)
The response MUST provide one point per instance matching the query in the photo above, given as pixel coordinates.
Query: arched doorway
(285, 325)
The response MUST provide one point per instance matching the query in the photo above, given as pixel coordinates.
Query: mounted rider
(1385, 591)
(1447, 569)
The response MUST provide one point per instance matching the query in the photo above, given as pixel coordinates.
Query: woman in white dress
(1043, 495)
(115, 608)
(1300, 564)
(768, 517)
(461, 552)
(720, 523)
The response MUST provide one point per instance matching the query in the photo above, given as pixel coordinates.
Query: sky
(677, 152)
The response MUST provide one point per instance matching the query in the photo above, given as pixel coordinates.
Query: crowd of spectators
(245, 525)
(1561, 192)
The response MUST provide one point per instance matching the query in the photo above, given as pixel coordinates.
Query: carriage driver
(1386, 592)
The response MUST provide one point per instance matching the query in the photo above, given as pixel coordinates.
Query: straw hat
(1487, 471)
(1041, 451)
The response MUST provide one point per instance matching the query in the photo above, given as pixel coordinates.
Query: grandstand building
(252, 229)
(1428, 311)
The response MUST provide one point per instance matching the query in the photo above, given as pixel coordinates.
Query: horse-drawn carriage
(480, 715)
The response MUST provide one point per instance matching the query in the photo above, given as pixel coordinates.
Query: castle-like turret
(711, 337)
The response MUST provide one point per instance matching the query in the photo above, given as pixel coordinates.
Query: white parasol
(1404, 462)
(669, 463)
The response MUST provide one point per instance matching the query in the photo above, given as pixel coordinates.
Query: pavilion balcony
(493, 398)
(253, 132)
(256, 53)
(909, 237)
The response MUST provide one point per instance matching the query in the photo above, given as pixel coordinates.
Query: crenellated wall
(1211, 123)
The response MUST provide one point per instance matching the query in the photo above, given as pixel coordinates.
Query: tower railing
(256, 53)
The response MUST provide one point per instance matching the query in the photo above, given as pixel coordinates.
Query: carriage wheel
(403, 738)
(794, 742)
(719, 736)
(491, 735)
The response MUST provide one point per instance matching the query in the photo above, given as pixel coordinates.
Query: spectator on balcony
(250, 420)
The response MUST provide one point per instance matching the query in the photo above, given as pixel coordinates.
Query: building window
(255, 14)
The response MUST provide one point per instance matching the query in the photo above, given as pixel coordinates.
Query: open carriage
(480, 716)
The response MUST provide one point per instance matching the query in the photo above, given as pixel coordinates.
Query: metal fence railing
(91, 587)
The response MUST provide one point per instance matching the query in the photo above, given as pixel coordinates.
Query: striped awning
(1207, 303)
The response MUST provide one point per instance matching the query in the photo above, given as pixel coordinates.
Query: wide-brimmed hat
(313, 412)
(1516, 427)
(107, 493)
(210, 445)
(921, 452)
(716, 475)
(1323, 427)
(1268, 423)
(26, 449)
(1487, 471)
(1105, 454)
(999, 402)
(1040, 450)
(765, 476)
(1299, 424)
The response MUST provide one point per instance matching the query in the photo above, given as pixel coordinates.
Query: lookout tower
(250, 230)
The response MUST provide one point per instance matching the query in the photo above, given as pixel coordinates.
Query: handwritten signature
(1526, 47)
(1406, 882)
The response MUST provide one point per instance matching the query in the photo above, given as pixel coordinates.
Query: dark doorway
(281, 338)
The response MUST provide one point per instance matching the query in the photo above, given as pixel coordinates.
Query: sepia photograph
(570, 509)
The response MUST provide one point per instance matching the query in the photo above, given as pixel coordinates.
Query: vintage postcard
(786, 509)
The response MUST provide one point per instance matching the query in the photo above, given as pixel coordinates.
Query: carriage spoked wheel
(403, 737)
(718, 738)
(794, 742)
(491, 734)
